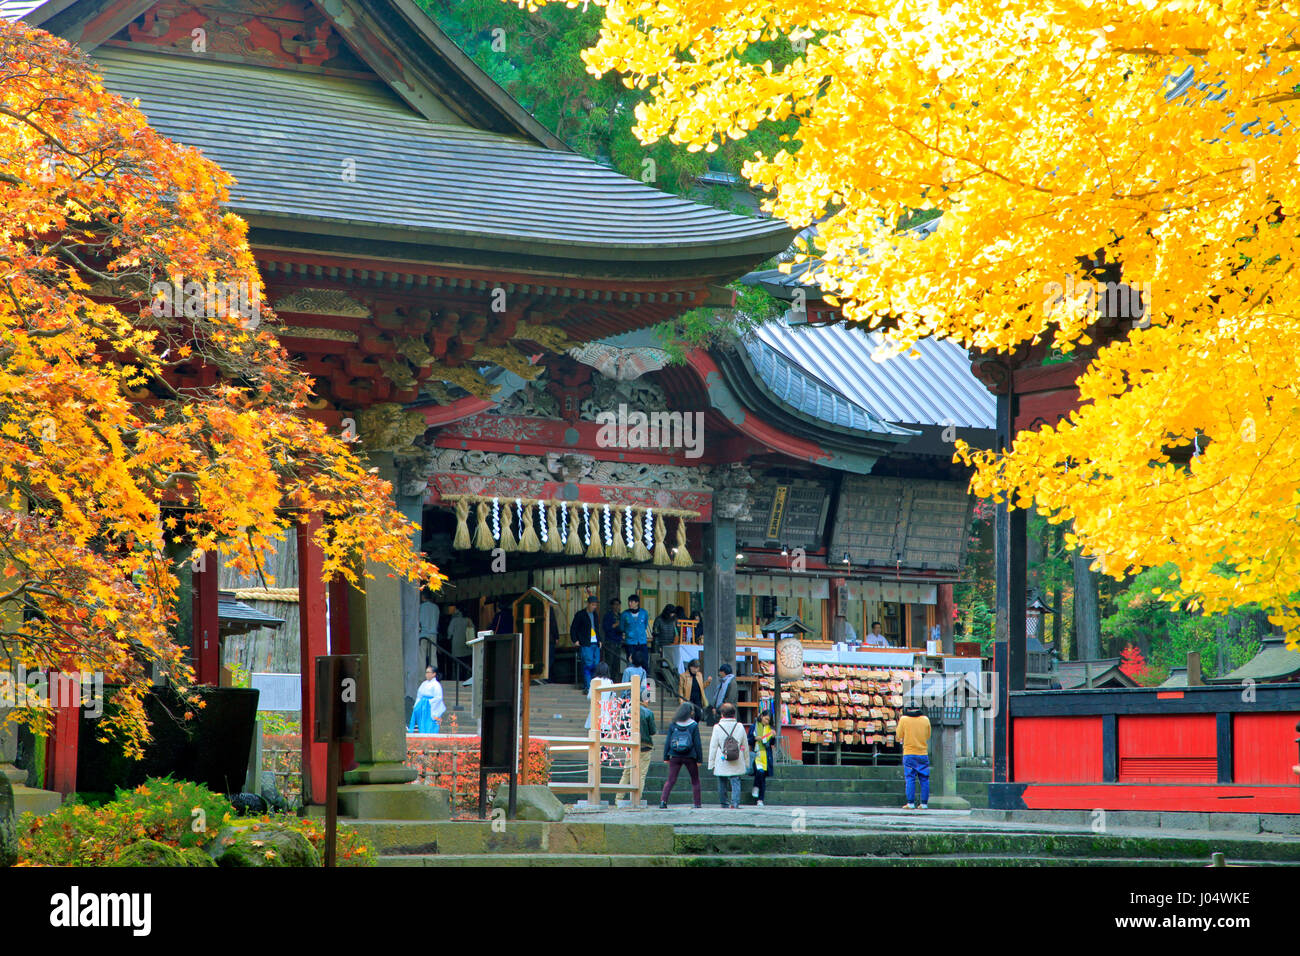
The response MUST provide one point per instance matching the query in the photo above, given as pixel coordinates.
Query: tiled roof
(350, 152)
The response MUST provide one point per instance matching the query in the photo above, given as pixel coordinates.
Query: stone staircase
(793, 785)
(559, 710)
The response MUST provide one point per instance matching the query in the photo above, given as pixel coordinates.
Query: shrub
(452, 763)
(179, 814)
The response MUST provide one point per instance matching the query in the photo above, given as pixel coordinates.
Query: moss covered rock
(8, 841)
(149, 853)
(254, 844)
(197, 856)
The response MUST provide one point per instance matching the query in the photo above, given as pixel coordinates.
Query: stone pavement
(750, 819)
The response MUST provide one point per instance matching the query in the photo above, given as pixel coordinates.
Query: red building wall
(1264, 748)
(1058, 749)
(1167, 748)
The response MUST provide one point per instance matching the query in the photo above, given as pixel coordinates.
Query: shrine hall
(476, 302)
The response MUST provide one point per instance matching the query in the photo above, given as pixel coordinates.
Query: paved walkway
(864, 819)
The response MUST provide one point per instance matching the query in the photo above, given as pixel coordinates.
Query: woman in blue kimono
(429, 707)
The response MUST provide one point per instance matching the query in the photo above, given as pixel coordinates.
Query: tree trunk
(1087, 622)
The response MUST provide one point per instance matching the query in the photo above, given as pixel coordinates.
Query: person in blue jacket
(635, 622)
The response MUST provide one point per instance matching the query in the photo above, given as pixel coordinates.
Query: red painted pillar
(207, 640)
(341, 643)
(313, 642)
(61, 755)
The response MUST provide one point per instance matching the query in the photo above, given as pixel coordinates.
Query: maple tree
(133, 434)
(1053, 136)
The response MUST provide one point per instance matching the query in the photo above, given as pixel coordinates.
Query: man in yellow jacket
(914, 733)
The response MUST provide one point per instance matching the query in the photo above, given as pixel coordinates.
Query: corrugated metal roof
(17, 9)
(936, 389)
(288, 138)
(796, 386)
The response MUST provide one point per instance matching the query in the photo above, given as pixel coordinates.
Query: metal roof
(792, 383)
(291, 139)
(17, 9)
(938, 388)
(240, 616)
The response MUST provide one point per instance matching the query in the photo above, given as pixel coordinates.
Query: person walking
(761, 740)
(665, 627)
(426, 716)
(647, 749)
(635, 622)
(724, 693)
(682, 748)
(913, 732)
(692, 687)
(729, 756)
(503, 621)
(584, 631)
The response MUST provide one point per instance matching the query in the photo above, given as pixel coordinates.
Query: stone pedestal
(25, 799)
(396, 801)
(943, 771)
(375, 627)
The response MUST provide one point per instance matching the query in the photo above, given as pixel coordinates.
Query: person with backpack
(729, 756)
(914, 734)
(682, 748)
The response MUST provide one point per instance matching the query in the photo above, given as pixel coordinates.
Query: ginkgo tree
(1050, 134)
(147, 411)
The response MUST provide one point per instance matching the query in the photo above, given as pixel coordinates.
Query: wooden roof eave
(713, 262)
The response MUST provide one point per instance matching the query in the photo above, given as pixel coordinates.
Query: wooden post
(635, 732)
(61, 757)
(331, 798)
(313, 642)
(526, 683)
(206, 649)
(340, 642)
(593, 753)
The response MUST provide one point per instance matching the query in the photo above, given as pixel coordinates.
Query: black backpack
(730, 749)
(681, 741)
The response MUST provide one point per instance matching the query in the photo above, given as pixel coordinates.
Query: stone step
(823, 774)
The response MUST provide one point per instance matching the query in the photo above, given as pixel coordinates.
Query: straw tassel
(528, 541)
(574, 545)
(553, 542)
(483, 539)
(462, 525)
(507, 542)
(618, 549)
(661, 550)
(596, 549)
(639, 551)
(682, 558)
